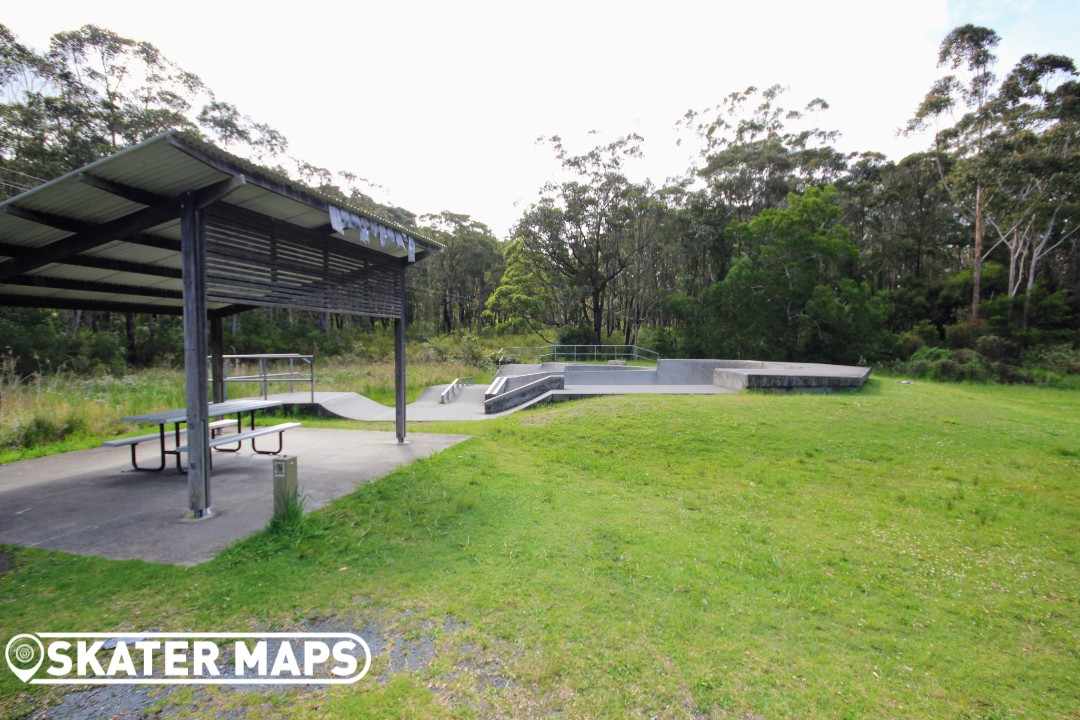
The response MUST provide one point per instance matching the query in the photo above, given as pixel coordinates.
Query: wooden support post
(217, 362)
(193, 261)
(399, 363)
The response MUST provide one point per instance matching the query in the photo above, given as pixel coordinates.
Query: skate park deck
(517, 386)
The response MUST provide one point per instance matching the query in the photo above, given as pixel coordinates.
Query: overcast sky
(441, 103)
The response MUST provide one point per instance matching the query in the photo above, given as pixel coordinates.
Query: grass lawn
(906, 551)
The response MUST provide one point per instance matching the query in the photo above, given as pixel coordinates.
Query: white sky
(441, 103)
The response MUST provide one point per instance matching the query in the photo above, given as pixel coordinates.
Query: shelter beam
(58, 222)
(104, 263)
(135, 195)
(43, 281)
(107, 232)
(66, 303)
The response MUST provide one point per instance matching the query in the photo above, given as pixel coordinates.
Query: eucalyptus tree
(462, 277)
(635, 295)
(586, 231)
(861, 196)
(969, 48)
(754, 151)
(922, 217)
(902, 219)
(90, 93)
(530, 296)
(1034, 151)
(1012, 153)
(93, 92)
(796, 294)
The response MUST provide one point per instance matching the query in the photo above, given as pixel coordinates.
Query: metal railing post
(573, 353)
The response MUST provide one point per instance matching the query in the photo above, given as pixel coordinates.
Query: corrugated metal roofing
(165, 166)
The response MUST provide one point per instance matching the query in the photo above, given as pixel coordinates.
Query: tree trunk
(598, 315)
(1027, 308)
(976, 271)
(447, 314)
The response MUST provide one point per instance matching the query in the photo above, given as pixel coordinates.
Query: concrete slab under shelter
(91, 502)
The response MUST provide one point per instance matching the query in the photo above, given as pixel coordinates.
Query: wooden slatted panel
(254, 260)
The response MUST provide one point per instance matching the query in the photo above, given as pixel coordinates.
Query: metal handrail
(575, 353)
(451, 392)
(264, 378)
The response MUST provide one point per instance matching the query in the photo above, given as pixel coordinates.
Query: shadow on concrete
(91, 502)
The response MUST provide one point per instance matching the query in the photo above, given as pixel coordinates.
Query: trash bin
(285, 489)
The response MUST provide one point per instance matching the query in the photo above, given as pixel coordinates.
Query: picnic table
(178, 416)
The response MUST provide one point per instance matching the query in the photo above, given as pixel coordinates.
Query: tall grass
(44, 409)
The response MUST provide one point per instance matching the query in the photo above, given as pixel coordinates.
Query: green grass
(909, 551)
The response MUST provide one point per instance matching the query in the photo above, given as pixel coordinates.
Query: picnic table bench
(132, 442)
(239, 438)
(179, 415)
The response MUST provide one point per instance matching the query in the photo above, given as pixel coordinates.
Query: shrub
(1006, 373)
(963, 335)
(662, 340)
(42, 430)
(471, 352)
(972, 371)
(580, 334)
(997, 349)
(1061, 358)
(435, 350)
(931, 355)
(927, 332)
(964, 364)
(97, 353)
(465, 349)
(904, 346)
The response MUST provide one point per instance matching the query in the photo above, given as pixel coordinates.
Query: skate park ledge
(517, 385)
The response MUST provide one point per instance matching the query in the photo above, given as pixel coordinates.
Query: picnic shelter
(175, 225)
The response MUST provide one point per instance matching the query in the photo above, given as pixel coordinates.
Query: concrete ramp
(469, 405)
(356, 407)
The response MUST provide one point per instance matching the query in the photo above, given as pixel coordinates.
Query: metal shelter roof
(107, 236)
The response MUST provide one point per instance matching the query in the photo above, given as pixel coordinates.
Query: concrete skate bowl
(520, 385)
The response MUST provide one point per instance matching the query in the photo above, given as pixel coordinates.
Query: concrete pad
(92, 503)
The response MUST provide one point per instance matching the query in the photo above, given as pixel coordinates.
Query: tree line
(773, 245)
(776, 245)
